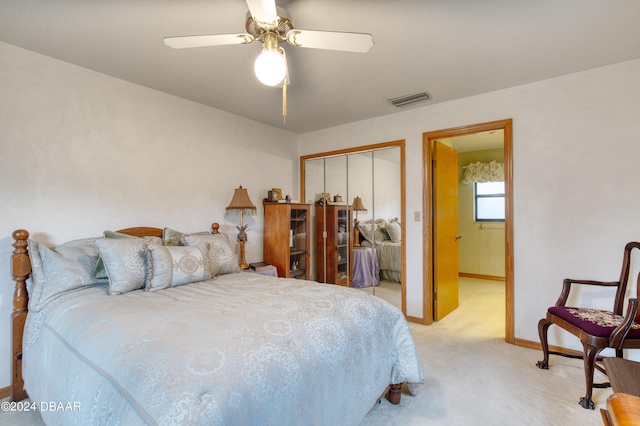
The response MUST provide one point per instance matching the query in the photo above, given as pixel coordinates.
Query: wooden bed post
(395, 393)
(20, 270)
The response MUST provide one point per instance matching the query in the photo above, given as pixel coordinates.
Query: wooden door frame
(427, 214)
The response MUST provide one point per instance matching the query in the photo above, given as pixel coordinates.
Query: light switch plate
(417, 216)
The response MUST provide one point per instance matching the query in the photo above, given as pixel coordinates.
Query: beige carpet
(473, 376)
(387, 290)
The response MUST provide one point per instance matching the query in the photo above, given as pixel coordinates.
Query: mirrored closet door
(357, 199)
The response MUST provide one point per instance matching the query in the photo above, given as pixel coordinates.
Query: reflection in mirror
(365, 273)
(387, 201)
(336, 177)
(314, 172)
(327, 177)
(380, 228)
(375, 176)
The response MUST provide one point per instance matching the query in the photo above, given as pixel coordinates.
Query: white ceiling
(450, 48)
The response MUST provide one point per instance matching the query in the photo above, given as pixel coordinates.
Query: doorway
(429, 243)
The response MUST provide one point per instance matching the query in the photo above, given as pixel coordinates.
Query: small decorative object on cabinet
(336, 250)
(286, 238)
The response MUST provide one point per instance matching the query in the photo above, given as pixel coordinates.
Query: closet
(330, 182)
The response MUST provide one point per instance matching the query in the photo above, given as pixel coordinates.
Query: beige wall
(575, 154)
(81, 152)
(481, 249)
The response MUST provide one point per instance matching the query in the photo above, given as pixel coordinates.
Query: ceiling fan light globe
(270, 68)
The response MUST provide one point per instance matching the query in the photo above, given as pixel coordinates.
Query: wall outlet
(417, 216)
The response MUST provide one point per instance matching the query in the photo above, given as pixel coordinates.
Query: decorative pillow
(100, 271)
(172, 266)
(61, 270)
(171, 237)
(126, 262)
(370, 230)
(394, 230)
(115, 234)
(222, 257)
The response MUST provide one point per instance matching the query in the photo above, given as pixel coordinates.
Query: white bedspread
(242, 349)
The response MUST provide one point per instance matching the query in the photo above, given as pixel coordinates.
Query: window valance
(483, 172)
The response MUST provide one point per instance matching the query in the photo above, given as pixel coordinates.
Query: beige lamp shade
(358, 206)
(241, 201)
(243, 204)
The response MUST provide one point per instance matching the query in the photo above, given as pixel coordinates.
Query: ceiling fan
(271, 25)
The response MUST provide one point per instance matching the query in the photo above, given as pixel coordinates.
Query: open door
(429, 247)
(445, 220)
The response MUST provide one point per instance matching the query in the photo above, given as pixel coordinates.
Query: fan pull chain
(284, 100)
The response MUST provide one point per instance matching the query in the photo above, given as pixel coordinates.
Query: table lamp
(357, 207)
(241, 202)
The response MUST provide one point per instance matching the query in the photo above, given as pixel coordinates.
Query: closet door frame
(353, 150)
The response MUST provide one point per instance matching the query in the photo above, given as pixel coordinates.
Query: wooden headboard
(20, 272)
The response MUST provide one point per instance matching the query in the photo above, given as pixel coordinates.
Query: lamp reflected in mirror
(358, 206)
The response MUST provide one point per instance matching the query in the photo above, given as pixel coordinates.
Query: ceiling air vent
(410, 99)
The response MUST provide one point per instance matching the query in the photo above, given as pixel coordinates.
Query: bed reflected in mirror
(365, 185)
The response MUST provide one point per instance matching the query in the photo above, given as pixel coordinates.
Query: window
(489, 201)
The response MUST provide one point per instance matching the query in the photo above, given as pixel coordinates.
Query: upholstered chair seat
(597, 329)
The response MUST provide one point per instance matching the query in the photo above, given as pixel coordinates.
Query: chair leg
(590, 355)
(543, 327)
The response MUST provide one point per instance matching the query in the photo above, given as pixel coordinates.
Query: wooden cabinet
(334, 250)
(286, 238)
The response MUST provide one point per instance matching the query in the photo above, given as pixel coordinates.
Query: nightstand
(271, 272)
(366, 271)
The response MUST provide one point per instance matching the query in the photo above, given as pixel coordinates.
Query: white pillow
(221, 255)
(100, 271)
(126, 261)
(394, 231)
(172, 266)
(61, 270)
(369, 231)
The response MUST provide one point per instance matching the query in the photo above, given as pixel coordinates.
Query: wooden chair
(596, 329)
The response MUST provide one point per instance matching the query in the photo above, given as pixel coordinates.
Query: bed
(385, 236)
(238, 348)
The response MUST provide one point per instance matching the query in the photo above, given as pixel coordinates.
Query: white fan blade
(264, 11)
(184, 42)
(348, 42)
